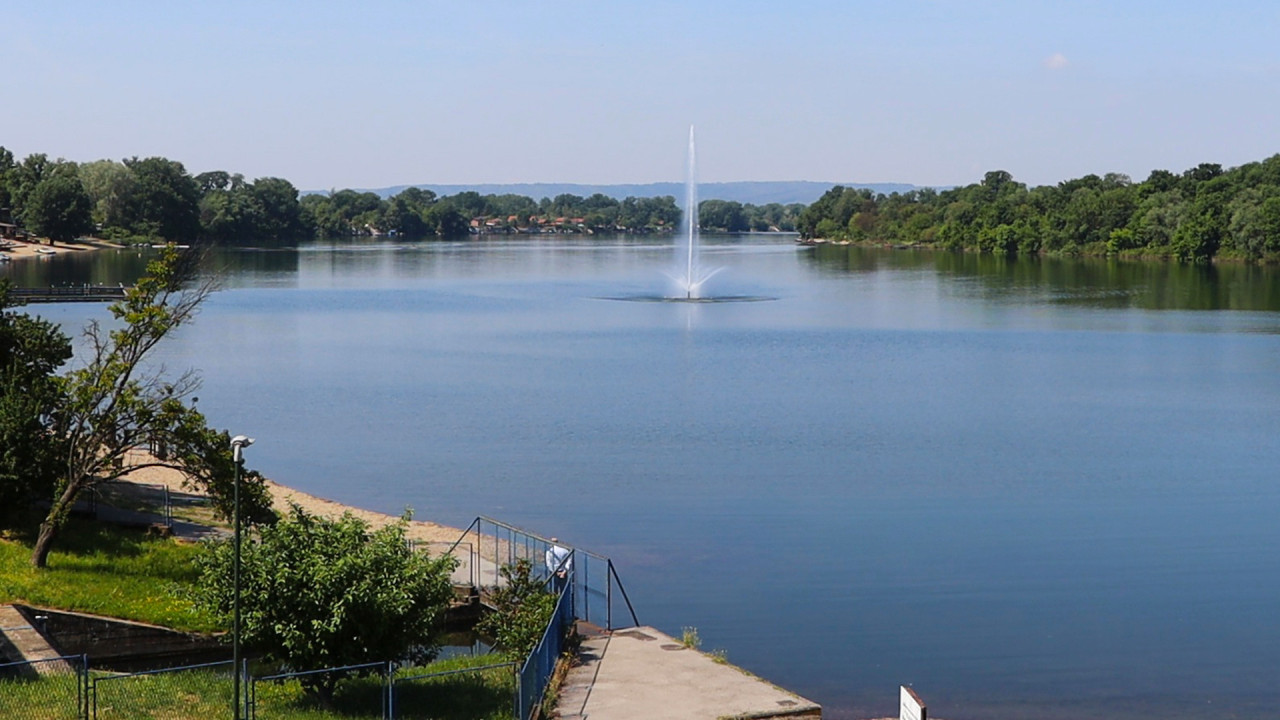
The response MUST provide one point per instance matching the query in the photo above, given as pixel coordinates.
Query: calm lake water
(1041, 489)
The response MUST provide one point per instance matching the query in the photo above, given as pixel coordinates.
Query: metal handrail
(627, 600)
(535, 536)
(474, 524)
(612, 571)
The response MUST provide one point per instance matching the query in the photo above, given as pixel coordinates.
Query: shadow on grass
(86, 538)
(478, 695)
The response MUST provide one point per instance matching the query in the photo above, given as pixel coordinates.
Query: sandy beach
(22, 249)
(281, 496)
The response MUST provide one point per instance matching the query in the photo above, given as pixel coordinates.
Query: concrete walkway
(642, 673)
(20, 642)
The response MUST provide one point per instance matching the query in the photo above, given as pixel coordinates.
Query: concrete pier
(642, 673)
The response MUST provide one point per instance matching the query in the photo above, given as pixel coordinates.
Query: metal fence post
(83, 687)
(586, 587)
(389, 700)
(519, 693)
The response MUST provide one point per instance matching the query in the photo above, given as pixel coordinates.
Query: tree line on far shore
(156, 199)
(1204, 213)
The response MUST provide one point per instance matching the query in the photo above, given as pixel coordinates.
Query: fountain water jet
(688, 276)
(689, 282)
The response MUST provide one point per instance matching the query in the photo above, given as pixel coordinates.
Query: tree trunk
(44, 543)
(53, 522)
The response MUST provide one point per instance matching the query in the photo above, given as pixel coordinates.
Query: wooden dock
(69, 293)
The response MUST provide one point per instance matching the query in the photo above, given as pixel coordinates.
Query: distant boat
(46, 251)
(4, 257)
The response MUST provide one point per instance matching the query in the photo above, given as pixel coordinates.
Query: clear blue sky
(378, 93)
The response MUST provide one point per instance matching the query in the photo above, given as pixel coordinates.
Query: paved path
(20, 642)
(642, 673)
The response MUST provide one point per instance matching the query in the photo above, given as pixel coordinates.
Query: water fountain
(689, 281)
(689, 276)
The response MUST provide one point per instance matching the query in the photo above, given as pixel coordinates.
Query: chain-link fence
(477, 693)
(354, 691)
(195, 691)
(50, 689)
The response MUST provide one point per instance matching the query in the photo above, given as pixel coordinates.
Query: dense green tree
(726, 215)
(58, 208)
(166, 200)
(470, 203)
(319, 593)
(31, 350)
(504, 206)
(268, 209)
(405, 213)
(24, 178)
(1202, 213)
(228, 215)
(110, 186)
(7, 166)
(280, 215)
(345, 212)
(218, 180)
(444, 220)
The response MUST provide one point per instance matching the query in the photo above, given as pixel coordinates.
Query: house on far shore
(9, 231)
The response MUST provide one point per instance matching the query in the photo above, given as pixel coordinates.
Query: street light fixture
(238, 444)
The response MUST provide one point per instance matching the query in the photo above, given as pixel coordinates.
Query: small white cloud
(1056, 61)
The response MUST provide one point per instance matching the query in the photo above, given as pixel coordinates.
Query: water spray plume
(689, 276)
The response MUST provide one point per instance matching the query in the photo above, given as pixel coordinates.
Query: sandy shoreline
(22, 249)
(281, 496)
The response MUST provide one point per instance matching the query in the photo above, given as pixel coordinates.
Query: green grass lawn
(199, 694)
(48, 698)
(96, 568)
(479, 695)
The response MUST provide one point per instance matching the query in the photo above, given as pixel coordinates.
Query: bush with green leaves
(522, 608)
(320, 593)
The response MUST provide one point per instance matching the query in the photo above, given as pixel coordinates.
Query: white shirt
(559, 558)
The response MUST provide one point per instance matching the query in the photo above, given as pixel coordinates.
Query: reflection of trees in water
(111, 267)
(95, 267)
(1091, 282)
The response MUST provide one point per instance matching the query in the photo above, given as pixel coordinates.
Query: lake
(1028, 488)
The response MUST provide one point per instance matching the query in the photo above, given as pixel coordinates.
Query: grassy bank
(198, 694)
(99, 569)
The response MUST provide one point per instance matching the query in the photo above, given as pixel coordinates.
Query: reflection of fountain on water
(689, 282)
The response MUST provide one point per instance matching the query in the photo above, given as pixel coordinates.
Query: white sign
(911, 706)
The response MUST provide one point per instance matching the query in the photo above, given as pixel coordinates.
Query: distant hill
(755, 193)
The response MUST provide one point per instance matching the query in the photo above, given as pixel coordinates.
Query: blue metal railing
(538, 668)
(588, 595)
(599, 596)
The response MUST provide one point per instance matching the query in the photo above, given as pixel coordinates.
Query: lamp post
(238, 444)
